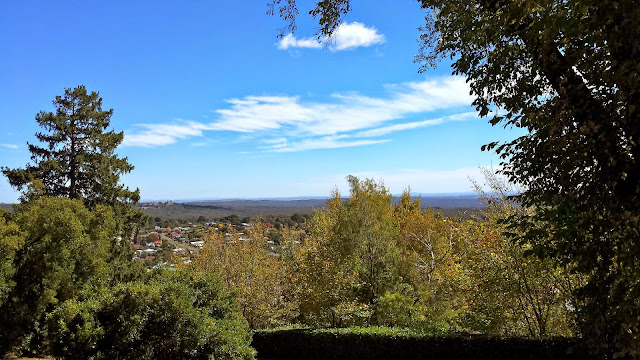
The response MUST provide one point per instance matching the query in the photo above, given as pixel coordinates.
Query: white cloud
(329, 142)
(290, 123)
(162, 134)
(399, 127)
(466, 116)
(416, 124)
(9, 146)
(353, 35)
(347, 36)
(348, 113)
(257, 113)
(290, 41)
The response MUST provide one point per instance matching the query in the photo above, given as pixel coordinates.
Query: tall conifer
(77, 158)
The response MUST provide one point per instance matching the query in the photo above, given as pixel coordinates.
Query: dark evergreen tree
(77, 159)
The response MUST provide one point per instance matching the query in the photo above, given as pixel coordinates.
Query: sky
(214, 105)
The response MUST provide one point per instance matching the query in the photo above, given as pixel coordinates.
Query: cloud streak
(329, 142)
(289, 123)
(347, 36)
(162, 134)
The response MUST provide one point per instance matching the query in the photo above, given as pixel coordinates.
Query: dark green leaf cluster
(566, 71)
(52, 250)
(175, 315)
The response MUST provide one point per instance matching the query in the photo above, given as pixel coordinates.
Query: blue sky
(214, 105)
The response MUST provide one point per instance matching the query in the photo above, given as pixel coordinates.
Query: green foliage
(366, 236)
(10, 241)
(351, 257)
(512, 293)
(176, 315)
(567, 71)
(74, 329)
(352, 313)
(78, 161)
(395, 309)
(436, 273)
(55, 247)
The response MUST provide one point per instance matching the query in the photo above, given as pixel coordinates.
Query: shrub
(394, 309)
(352, 314)
(179, 315)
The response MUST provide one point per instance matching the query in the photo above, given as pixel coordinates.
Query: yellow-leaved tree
(260, 277)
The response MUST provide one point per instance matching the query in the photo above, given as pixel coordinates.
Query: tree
(567, 71)
(351, 258)
(434, 246)
(323, 280)
(514, 293)
(367, 235)
(78, 159)
(260, 280)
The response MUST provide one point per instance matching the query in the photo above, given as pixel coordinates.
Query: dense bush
(179, 315)
(394, 309)
(51, 248)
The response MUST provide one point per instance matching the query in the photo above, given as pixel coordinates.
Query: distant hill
(447, 204)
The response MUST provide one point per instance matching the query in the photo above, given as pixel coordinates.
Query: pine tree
(78, 159)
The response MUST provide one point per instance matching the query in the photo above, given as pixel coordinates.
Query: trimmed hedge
(337, 344)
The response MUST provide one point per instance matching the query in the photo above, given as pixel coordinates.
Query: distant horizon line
(295, 198)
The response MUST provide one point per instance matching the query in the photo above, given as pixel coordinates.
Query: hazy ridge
(447, 204)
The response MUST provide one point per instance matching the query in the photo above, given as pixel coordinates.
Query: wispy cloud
(399, 127)
(348, 36)
(327, 142)
(290, 41)
(162, 134)
(285, 123)
(9, 146)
